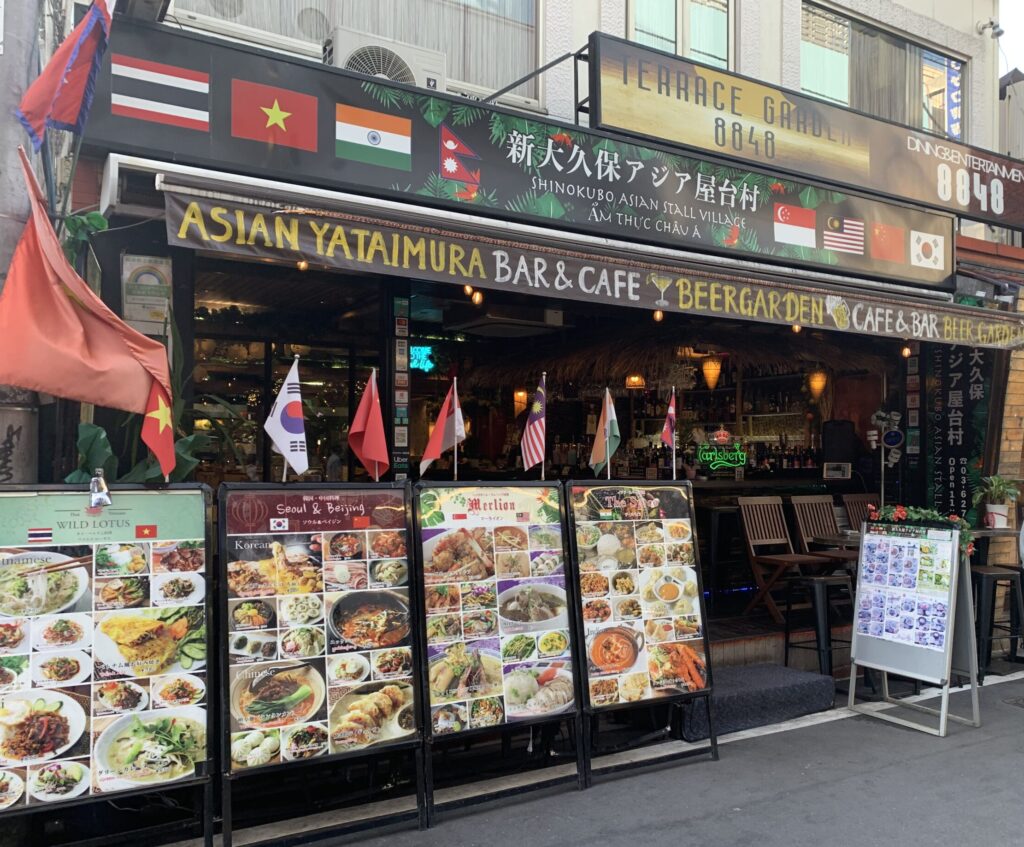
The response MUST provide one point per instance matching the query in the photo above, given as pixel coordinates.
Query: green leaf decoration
(404, 189)
(439, 187)
(487, 197)
(719, 233)
(466, 115)
(430, 509)
(499, 128)
(546, 205)
(434, 110)
(810, 197)
(384, 94)
(608, 145)
(836, 197)
(749, 241)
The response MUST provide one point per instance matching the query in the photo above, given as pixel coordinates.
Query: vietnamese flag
(888, 243)
(277, 116)
(158, 427)
(366, 436)
(145, 530)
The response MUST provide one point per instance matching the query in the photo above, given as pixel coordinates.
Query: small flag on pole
(606, 439)
(286, 424)
(668, 431)
(366, 437)
(158, 428)
(534, 434)
(449, 430)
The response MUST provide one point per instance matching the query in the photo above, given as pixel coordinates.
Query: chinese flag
(145, 530)
(58, 337)
(366, 437)
(275, 116)
(158, 427)
(888, 243)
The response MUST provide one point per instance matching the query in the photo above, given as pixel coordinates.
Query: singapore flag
(795, 225)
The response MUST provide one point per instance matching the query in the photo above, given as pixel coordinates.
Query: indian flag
(606, 440)
(374, 138)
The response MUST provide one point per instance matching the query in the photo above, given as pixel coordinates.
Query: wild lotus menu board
(320, 658)
(639, 591)
(103, 649)
(497, 618)
(904, 585)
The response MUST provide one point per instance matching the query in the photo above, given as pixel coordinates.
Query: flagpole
(607, 437)
(455, 454)
(544, 448)
(284, 472)
(675, 414)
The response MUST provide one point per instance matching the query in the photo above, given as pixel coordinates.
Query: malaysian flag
(844, 235)
(533, 435)
(159, 93)
(668, 431)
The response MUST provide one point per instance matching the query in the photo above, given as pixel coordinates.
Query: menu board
(497, 617)
(904, 585)
(640, 592)
(103, 648)
(319, 630)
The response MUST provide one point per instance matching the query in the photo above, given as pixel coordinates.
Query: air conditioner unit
(372, 55)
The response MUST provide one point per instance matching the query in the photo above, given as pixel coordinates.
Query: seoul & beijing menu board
(904, 585)
(497, 616)
(640, 592)
(319, 629)
(103, 644)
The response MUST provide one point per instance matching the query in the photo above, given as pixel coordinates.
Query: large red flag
(61, 95)
(58, 337)
(366, 437)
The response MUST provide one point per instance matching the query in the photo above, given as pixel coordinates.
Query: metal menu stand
(642, 624)
(140, 563)
(316, 600)
(914, 618)
(499, 638)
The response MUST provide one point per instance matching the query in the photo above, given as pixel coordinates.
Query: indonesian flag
(668, 431)
(61, 95)
(453, 150)
(606, 440)
(449, 430)
(366, 437)
(286, 424)
(58, 337)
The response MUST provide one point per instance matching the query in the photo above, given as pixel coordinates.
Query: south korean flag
(285, 424)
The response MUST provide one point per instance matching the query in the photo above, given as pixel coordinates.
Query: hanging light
(635, 382)
(712, 368)
(477, 298)
(302, 265)
(796, 328)
(905, 351)
(816, 382)
(468, 289)
(658, 316)
(519, 398)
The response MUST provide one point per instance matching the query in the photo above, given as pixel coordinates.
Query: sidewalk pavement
(856, 781)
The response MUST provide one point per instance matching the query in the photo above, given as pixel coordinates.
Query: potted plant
(996, 493)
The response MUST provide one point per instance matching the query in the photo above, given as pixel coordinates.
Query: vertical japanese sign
(400, 425)
(959, 382)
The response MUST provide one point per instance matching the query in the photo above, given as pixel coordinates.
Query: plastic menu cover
(320, 657)
(103, 647)
(497, 618)
(640, 592)
(904, 585)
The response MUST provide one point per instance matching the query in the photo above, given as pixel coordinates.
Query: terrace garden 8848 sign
(103, 647)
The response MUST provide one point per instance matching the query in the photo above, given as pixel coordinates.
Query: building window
(857, 65)
(696, 29)
(488, 43)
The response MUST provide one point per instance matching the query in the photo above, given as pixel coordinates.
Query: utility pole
(19, 409)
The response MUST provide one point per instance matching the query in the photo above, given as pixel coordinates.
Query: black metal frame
(675, 702)
(575, 716)
(413, 744)
(205, 807)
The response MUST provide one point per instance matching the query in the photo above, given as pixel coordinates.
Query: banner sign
(103, 644)
(371, 137)
(642, 91)
(371, 245)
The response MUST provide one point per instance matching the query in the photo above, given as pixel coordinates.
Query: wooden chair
(764, 526)
(816, 517)
(857, 508)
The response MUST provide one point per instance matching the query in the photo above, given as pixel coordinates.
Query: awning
(260, 219)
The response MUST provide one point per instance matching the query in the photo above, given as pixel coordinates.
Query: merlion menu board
(640, 592)
(904, 585)
(103, 649)
(319, 639)
(497, 617)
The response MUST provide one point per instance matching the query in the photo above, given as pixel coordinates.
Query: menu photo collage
(102, 667)
(904, 590)
(639, 592)
(319, 643)
(497, 622)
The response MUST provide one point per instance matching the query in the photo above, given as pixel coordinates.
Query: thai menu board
(904, 585)
(319, 630)
(103, 647)
(497, 617)
(640, 592)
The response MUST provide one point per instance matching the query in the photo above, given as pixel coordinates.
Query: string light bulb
(905, 351)
(796, 328)
(302, 265)
(468, 289)
(658, 316)
(477, 298)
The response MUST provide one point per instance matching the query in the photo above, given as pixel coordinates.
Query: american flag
(668, 431)
(844, 235)
(533, 435)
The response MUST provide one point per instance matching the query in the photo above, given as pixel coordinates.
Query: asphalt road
(856, 781)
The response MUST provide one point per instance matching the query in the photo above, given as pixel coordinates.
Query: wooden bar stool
(764, 531)
(985, 579)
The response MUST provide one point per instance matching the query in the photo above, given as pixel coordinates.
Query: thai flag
(42, 535)
(61, 95)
